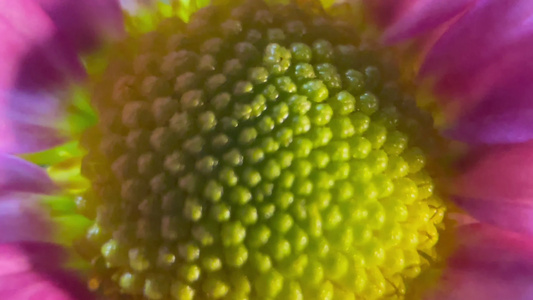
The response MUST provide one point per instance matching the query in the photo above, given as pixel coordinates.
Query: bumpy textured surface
(258, 152)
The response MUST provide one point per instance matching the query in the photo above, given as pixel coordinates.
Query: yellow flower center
(258, 152)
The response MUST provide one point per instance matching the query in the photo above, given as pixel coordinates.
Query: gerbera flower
(270, 150)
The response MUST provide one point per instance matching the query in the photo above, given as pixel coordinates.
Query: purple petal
(480, 60)
(515, 216)
(39, 45)
(29, 123)
(480, 35)
(484, 55)
(84, 22)
(496, 173)
(415, 17)
(18, 175)
(34, 56)
(25, 256)
(32, 271)
(504, 92)
(40, 40)
(53, 284)
(495, 186)
(21, 219)
(25, 138)
(489, 264)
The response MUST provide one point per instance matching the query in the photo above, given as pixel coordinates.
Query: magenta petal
(419, 16)
(51, 284)
(40, 39)
(33, 55)
(497, 173)
(28, 123)
(84, 22)
(504, 110)
(32, 271)
(490, 264)
(22, 219)
(479, 36)
(25, 138)
(25, 256)
(515, 216)
(495, 186)
(18, 175)
(488, 45)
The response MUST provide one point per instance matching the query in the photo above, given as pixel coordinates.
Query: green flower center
(257, 152)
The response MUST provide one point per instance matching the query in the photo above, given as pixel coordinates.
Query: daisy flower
(266, 149)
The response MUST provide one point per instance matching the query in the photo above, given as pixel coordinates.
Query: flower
(479, 79)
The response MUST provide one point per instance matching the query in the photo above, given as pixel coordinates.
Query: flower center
(257, 152)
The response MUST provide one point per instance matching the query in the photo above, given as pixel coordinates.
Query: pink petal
(478, 54)
(25, 256)
(40, 39)
(482, 48)
(18, 175)
(495, 186)
(490, 264)
(29, 123)
(32, 271)
(50, 284)
(22, 219)
(515, 216)
(481, 33)
(415, 17)
(84, 22)
(25, 138)
(39, 44)
(496, 173)
(33, 55)
(499, 108)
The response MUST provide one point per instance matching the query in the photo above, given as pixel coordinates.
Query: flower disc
(257, 152)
